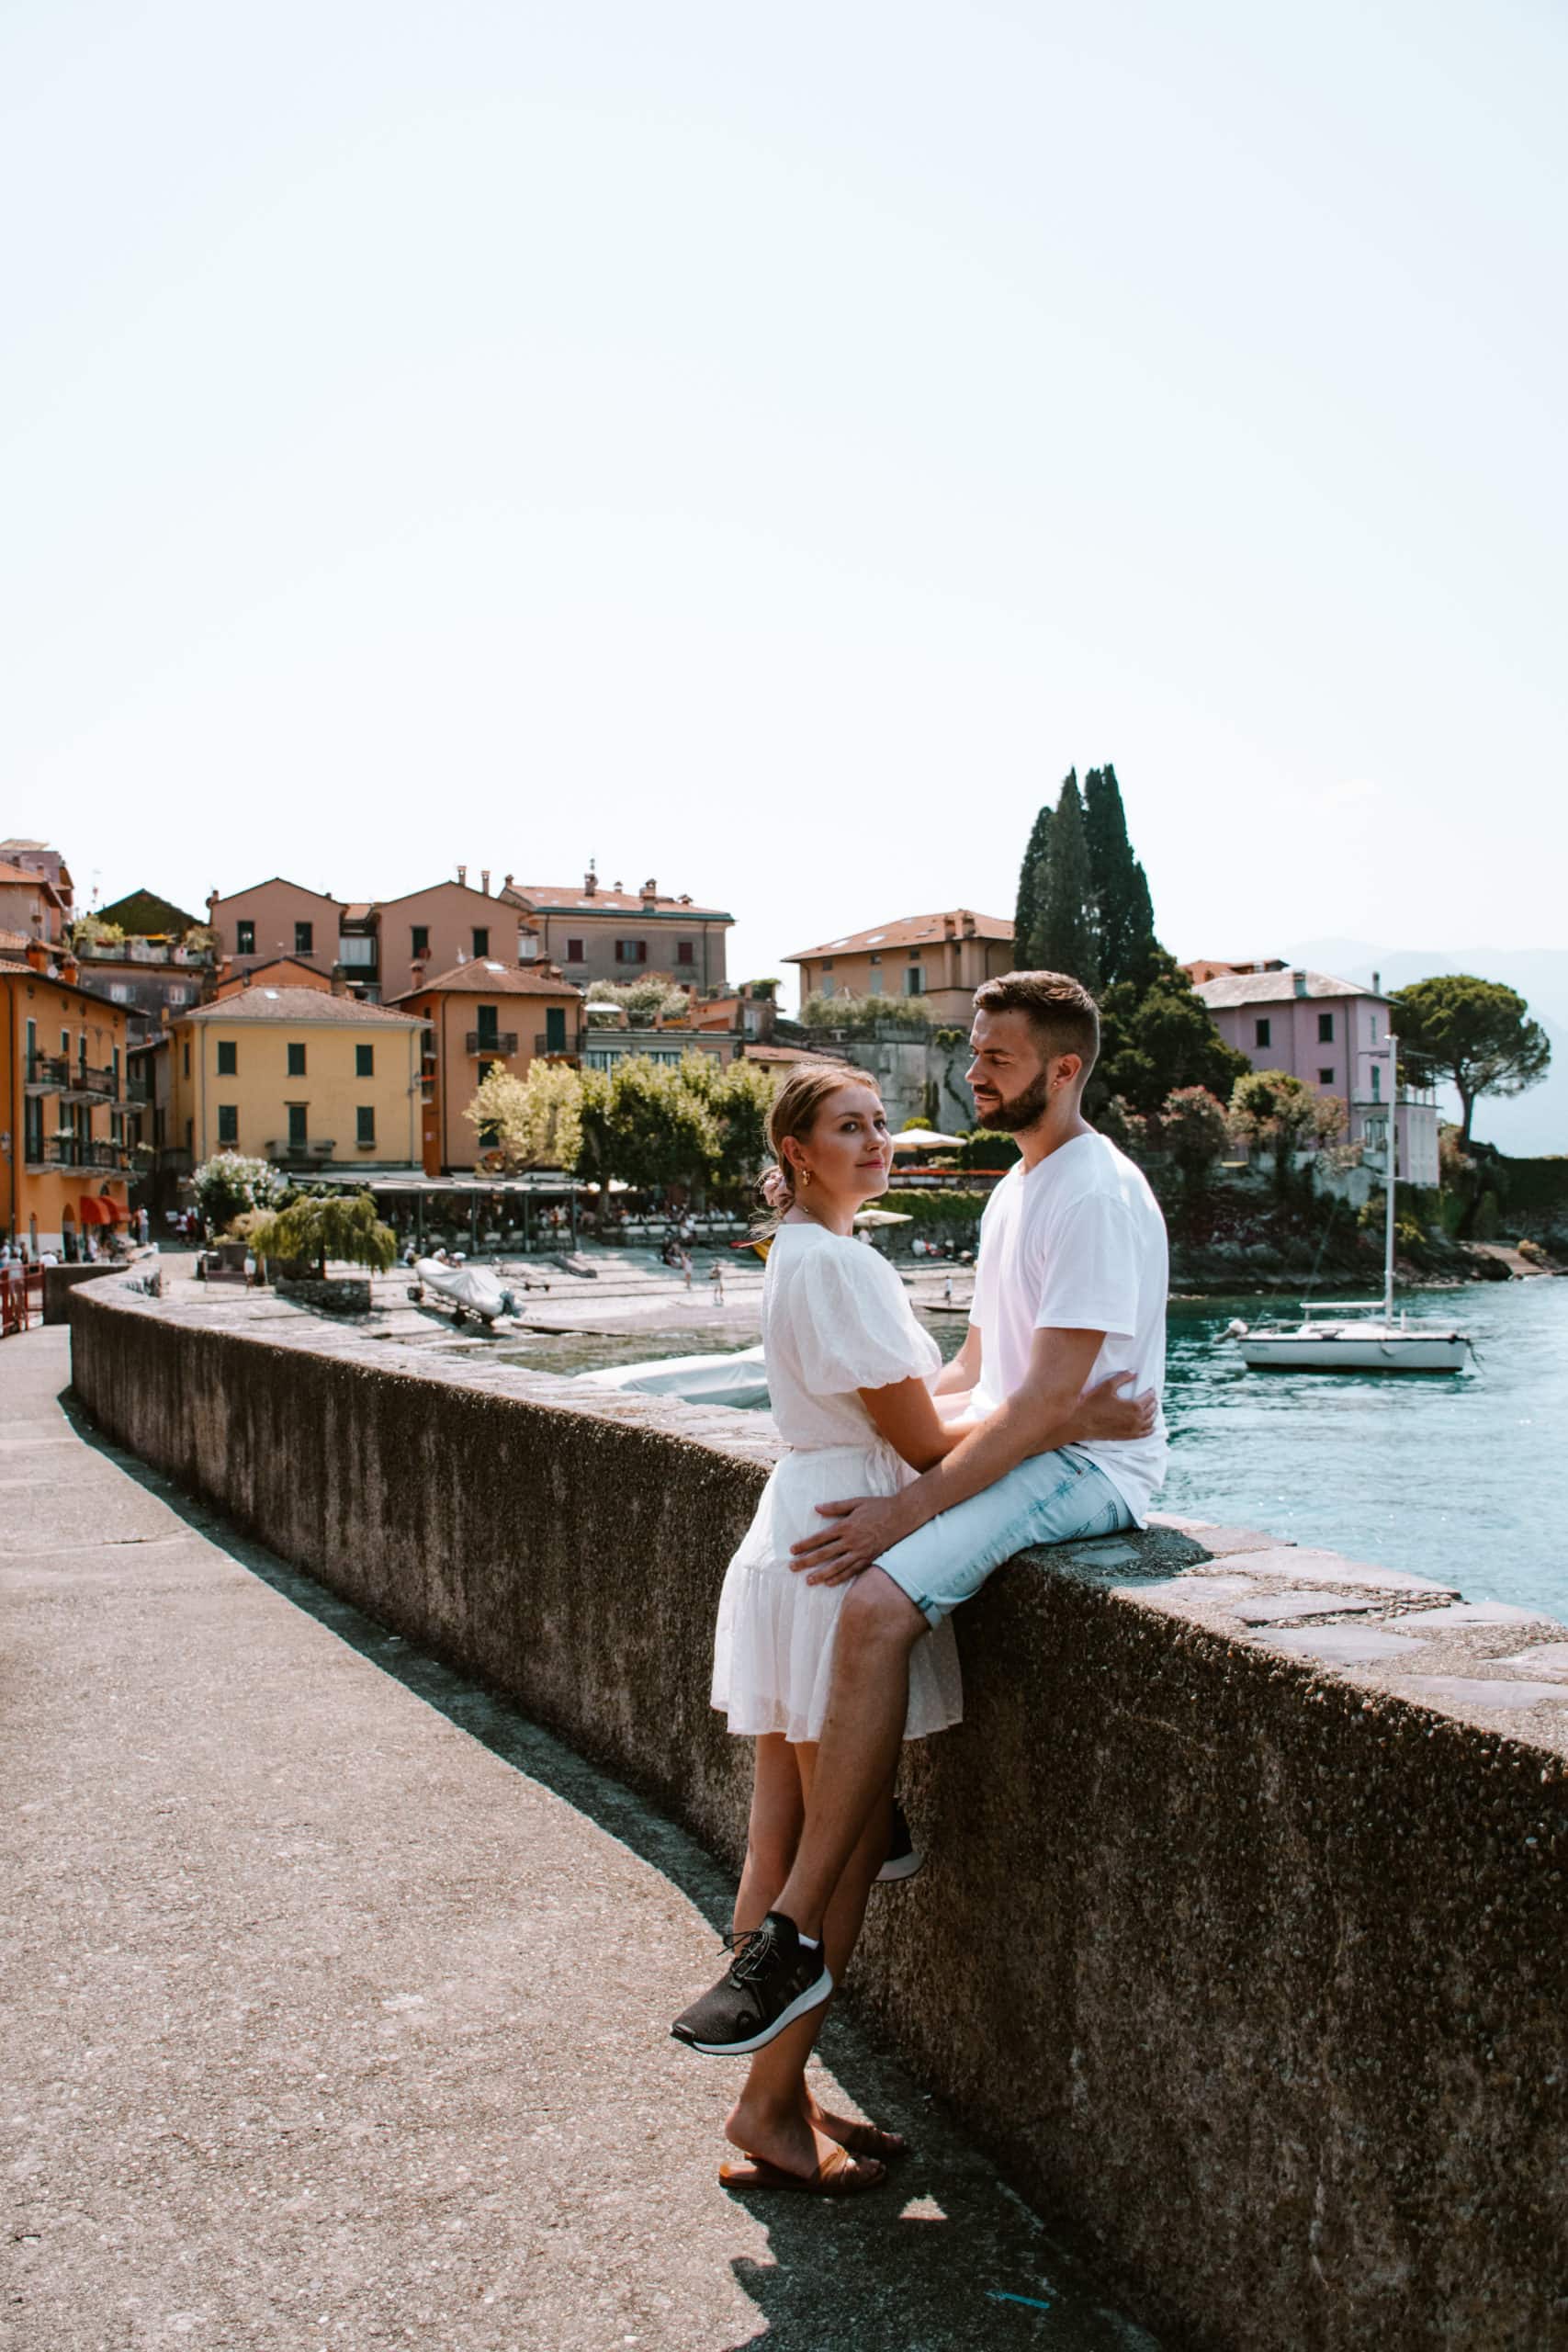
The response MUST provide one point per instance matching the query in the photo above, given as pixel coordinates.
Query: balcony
(499, 1044)
(308, 1151)
(77, 1152)
(58, 1074)
(564, 1050)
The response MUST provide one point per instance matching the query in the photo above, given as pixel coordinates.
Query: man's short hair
(1060, 1010)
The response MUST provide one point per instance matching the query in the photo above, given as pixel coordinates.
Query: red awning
(94, 1211)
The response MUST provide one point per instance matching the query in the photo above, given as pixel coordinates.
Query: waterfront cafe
(517, 1214)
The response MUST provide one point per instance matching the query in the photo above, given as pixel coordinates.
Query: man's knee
(878, 1615)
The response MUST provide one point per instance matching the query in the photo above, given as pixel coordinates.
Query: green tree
(534, 1122)
(1475, 1034)
(1028, 923)
(323, 1226)
(858, 1016)
(739, 1096)
(1194, 1130)
(643, 1001)
(1273, 1107)
(1123, 911)
(658, 1127)
(1067, 942)
(1157, 1038)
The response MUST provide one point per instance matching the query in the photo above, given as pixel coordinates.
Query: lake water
(1461, 1475)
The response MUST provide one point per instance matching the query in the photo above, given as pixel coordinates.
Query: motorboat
(1368, 1338)
(738, 1378)
(467, 1290)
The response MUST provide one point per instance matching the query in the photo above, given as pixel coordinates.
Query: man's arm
(1038, 1417)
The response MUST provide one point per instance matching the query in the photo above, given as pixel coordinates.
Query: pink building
(1334, 1036)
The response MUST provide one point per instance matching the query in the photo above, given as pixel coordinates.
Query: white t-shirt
(1077, 1243)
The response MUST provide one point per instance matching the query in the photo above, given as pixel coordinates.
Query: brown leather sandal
(870, 2140)
(839, 2175)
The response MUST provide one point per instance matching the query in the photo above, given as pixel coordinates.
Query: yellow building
(942, 957)
(63, 1143)
(302, 1077)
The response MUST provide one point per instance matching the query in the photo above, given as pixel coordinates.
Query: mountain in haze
(1530, 1124)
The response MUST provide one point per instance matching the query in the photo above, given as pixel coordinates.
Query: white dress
(835, 1319)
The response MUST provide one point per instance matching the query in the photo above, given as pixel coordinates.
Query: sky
(764, 450)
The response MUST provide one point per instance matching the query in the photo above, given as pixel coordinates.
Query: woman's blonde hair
(792, 1118)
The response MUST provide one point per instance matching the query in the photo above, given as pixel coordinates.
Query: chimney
(968, 925)
(650, 888)
(1377, 984)
(590, 883)
(340, 980)
(416, 972)
(484, 880)
(70, 972)
(463, 876)
(507, 884)
(949, 926)
(36, 953)
(1301, 982)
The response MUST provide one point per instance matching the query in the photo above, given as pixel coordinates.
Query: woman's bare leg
(774, 2117)
(778, 1810)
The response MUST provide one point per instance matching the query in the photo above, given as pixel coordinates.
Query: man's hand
(857, 1533)
(1103, 1412)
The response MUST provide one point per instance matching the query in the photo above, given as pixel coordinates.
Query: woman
(849, 1375)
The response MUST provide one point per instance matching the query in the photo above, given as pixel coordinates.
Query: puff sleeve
(852, 1325)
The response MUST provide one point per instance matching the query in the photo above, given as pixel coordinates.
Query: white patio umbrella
(882, 1217)
(921, 1139)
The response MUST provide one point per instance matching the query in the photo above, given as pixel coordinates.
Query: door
(555, 1029)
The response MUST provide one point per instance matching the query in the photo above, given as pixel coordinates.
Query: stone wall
(1243, 1937)
(58, 1282)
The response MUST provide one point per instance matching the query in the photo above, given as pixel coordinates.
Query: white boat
(1370, 1340)
(738, 1378)
(467, 1290)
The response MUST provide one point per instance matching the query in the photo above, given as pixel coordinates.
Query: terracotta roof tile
(482, 977)
(1230, 989)
(299, 1005)
(907, 930)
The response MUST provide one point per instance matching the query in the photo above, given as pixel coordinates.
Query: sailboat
(1356, 1335)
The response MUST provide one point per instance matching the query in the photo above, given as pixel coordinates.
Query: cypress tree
(1031, 883)
(1124, 922)
(1068, 940)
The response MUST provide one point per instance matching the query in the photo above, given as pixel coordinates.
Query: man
(1069, 1290)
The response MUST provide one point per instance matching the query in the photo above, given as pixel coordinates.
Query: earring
(804, 1177)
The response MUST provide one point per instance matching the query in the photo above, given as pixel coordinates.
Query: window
(356, 948)
(555, 1029)
(296, 1062)
(32, 1127)
(365, 1061)
(304, 938)
(1372, 1026)
(686, 951)
(488, 1029)
(481, 939)
(827, 983)
(1264, 1034)
(228, 1058)
(1377, 1083)
(365, 1119)
(915, 980)
(419, 939)
(1326, 1077)
(244, 939)
(873, 985)
(227, 1123)
(631, 950)
(186, 1058)
(1326, 1028)
(574, 952)
(298, 1130)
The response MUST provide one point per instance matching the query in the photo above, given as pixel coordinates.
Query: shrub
(229, 1183)
(859, 1016)
(323, 1226)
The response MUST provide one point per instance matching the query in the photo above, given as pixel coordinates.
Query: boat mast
(1388, 1180)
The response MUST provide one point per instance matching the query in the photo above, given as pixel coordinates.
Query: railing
(21, 1298)
(305, 1148)
(563, 1049)
(501, 1043)
(61, 1075)
(77, 1152)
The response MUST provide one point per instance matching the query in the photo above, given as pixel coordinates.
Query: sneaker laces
(752, 1947)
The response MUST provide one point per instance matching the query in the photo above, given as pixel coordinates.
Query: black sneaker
(773, 1980)
(903, 1857)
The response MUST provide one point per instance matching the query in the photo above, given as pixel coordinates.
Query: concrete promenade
(340, 1996)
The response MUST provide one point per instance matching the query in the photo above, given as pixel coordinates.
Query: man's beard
(1019, 1110)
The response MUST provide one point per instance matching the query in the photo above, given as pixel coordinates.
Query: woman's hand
(1103, 1412)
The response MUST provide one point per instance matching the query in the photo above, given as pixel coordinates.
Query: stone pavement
(340, 1997)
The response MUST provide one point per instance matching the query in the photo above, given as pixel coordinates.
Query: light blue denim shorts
(1051, 1499)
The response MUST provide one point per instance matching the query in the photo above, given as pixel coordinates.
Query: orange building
(479, 1013)
(942, 958)
(67, 1098)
